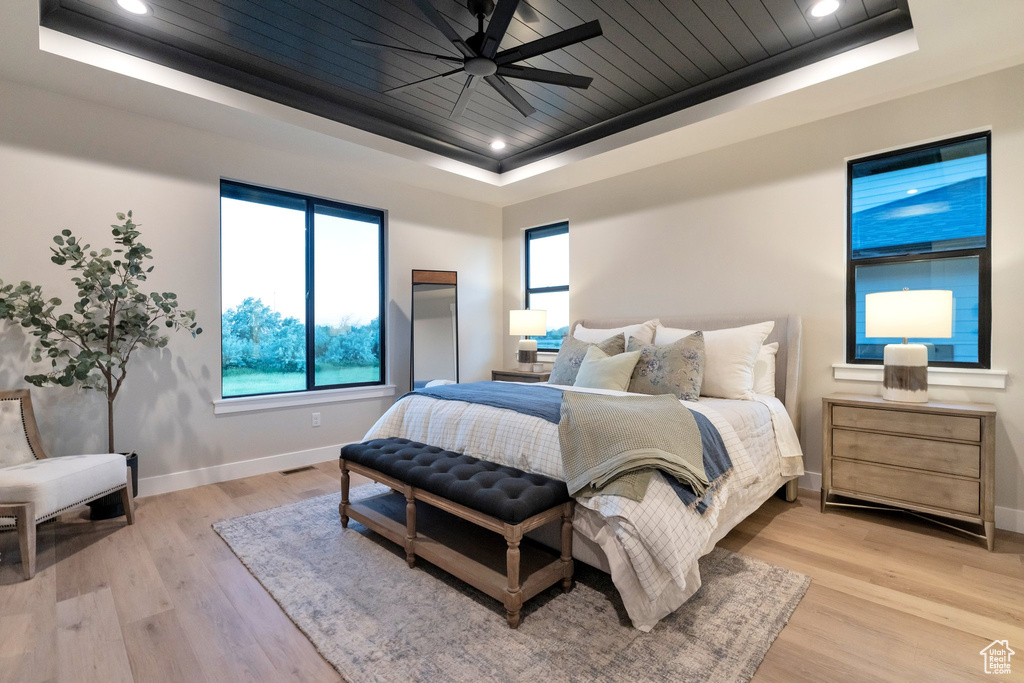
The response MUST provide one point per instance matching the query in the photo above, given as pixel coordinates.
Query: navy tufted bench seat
(502, 499)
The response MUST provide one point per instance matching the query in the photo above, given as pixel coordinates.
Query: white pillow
(764, 369)
(729, 357)
(601, 371)
(643, 333)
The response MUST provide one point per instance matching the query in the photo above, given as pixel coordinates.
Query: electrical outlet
(316, 419)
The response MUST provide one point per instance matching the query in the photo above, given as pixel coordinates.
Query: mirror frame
(431, 277)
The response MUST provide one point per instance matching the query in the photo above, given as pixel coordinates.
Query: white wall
(68, 163)
(760, 226)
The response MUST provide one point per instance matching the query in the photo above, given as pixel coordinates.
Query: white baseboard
(1006, 518)
(176, 481)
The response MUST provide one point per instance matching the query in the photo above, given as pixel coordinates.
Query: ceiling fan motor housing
(480, 66)
(480, 7)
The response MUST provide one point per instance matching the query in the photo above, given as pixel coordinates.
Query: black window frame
(560, 228)
(984, 255)
(232, 189)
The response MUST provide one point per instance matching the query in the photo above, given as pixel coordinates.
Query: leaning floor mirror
(434, 348)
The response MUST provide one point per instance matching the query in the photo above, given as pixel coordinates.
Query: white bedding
(650, 547)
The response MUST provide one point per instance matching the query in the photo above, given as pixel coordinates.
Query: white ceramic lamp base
(906, 373)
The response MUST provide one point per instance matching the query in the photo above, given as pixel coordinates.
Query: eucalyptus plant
(92, 343)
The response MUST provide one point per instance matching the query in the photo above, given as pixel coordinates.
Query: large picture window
(302, 293)
(919, 218)
(547, 280)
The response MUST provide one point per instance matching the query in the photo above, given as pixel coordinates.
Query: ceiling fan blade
(544, 76)
(506, 90)
(527, 14)
(384, 46)
(570, 36)
(435, 18)
(422, 81)
(464, 97)
(497, 26)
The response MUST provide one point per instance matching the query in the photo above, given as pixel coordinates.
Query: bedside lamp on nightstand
(921, 313)
(527, 323)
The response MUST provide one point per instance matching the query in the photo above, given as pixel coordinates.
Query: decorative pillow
(729, 357)
(570, 357)
(676, 368)
(643, 332)
(764, 369)
(601, 371)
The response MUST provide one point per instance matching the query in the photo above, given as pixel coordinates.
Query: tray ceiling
(654, 58)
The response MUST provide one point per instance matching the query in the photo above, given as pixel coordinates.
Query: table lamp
(530, 323)
(921, 313)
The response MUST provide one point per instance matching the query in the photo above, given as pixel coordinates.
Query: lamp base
(527, 354)
(526, 359)
(906, 373)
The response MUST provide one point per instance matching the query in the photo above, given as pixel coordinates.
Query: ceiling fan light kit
(480, 57)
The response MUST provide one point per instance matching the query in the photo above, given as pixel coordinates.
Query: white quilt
(652, 546)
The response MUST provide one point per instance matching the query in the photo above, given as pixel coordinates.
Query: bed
(650, 547)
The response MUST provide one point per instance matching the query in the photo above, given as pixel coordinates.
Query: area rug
(374, 619)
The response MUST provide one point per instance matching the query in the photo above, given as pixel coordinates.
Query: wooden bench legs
(513, 537)
(513, 594)
(410, 527)
(567, 565)
(343, 505)
(513, 588)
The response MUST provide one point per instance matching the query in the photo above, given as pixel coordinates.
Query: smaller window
(547, 280)
(919, 219)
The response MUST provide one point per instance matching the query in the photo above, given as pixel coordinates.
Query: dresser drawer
(905, 451)
(959, 495)
(918, 424)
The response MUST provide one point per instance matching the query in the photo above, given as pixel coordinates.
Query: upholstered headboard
(786, 332)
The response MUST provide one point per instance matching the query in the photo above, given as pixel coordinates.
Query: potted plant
(91, 344)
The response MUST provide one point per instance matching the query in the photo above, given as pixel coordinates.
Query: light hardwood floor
(165, 600)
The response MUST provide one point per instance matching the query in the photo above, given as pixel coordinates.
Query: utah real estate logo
(997, 657)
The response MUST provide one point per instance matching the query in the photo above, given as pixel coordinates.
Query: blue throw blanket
(545, 402)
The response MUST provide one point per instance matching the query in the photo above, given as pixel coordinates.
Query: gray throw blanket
(612, 444)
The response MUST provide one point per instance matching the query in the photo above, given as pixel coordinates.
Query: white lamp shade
(528, 323)
(919, 313)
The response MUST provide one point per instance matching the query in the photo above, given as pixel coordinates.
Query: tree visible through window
(919, 219)
(547, 280)
(275, 248)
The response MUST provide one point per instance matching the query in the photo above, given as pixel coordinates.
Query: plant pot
(110, 505)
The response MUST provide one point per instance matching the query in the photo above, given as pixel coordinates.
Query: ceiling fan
(480, 57)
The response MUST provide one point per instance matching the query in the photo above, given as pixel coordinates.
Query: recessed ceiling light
(498, 145)
(823, 8)
(133, 6)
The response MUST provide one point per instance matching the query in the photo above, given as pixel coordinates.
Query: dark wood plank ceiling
(655, 57)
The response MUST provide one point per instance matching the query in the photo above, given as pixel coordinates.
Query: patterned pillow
(570, 357)
(676, 368)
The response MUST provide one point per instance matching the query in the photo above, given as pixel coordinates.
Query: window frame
(984, 255)
(287, 199)
(550, 230)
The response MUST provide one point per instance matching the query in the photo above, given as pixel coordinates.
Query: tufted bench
(501, 499)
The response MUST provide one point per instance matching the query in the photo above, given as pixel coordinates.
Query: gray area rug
(374, 619)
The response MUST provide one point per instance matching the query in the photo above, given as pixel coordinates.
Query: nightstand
(519, 376)
(933, 458)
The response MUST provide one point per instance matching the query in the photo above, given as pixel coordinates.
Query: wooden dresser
(519, 376)
(933, 458)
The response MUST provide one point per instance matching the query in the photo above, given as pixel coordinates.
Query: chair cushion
(57, 484)
(503, 492)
